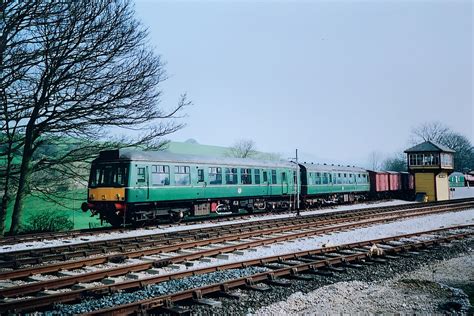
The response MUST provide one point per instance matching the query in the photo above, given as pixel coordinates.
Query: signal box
(431, 164)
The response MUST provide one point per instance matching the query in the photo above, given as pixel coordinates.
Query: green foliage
(48, 221)
(397, 163)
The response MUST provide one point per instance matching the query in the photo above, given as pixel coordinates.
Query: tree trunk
(25, 173)
(6, 191)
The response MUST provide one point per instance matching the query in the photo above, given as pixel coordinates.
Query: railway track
(269, 269)
(11, 240)
(136, 247)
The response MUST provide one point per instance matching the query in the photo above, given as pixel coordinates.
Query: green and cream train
(130, 186)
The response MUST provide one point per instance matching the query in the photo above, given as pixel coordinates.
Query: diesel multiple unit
(129, 186)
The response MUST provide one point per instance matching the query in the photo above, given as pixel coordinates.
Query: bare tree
(244, 148)
(443, 135)
(375, 160)
(88, 75)
(430, 131)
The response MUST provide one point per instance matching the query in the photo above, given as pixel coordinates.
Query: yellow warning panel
(425, 182)
(107, 194)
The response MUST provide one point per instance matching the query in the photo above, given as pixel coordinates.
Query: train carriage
(140, 186)
(321, 184)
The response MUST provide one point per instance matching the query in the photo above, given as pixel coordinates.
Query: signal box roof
(429, 146)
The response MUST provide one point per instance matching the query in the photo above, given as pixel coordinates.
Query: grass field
(73, 210)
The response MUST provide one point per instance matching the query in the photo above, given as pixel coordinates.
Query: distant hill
(194, 148)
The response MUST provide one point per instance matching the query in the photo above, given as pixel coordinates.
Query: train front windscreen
(108, 175)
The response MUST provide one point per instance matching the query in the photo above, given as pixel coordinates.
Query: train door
(142, 183)
(201, 182)
(284, 182)
(266, 182)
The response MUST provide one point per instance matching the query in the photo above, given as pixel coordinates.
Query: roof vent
(325, 164)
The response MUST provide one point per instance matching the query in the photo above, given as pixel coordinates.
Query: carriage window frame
(160, 175)
(215, 174)
(256, 173)
(274, 176)
(231, 176)
(182, 176)
(245, 176)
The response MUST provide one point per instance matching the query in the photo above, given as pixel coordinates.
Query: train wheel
(176, 217)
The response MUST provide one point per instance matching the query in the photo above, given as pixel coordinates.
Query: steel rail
(38, 256)
(75, 295)
(25, 272)
(306, 267)
(31, 237)
(88, 245)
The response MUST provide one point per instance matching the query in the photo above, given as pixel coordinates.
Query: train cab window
(256, 173)
(274, 177)
(112, 175)
(215, 175)
(230, 175)
(246, 176)
(141, 174)
(265, 177)
(160, 175)
(182, 175)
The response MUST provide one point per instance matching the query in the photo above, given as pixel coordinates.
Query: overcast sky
(336, 79)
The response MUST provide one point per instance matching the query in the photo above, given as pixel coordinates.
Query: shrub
(48, 221)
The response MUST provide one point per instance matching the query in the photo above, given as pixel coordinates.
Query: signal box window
(215, 175)
(274, 177)
(141, 175)
(230, 175)
(257, 175)
(160, 175)
(182, 175)
(246, 176)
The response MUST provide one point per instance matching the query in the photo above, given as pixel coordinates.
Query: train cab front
(107, 191)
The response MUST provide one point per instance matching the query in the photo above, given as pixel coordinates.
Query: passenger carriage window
(246, 176)
(274, 177)
(283, 176)
(265, 176)
(215, 175)
(318, 178)
(230, 175)
(325, 178)
(330, 178)
(160, 175)
(257, 176)
(182, 176)
(200, 175)
(141, 175)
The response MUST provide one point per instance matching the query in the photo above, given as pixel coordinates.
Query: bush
(48, 221)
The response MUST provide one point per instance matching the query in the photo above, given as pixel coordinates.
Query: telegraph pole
(297, 186)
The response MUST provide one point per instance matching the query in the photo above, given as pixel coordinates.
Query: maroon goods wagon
(395, 181)
(408, 181)
(379, 181)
